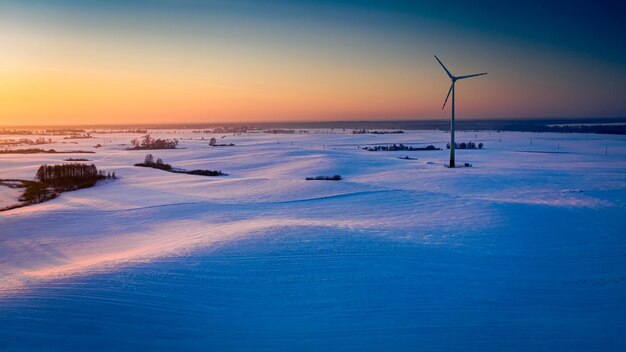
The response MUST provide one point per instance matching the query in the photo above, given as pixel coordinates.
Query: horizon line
(259, 123)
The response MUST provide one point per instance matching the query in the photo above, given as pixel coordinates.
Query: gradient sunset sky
(116, 62)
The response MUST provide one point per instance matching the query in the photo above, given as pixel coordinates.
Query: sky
(223, 61)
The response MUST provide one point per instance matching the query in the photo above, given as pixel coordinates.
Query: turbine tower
(453, 78)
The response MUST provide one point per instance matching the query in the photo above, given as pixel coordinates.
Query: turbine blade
(469, 76)
(444, 67)
(447, 96)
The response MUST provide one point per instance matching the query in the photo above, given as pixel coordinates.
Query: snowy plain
(526, 250)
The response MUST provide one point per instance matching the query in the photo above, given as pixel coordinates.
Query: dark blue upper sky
(595, 28)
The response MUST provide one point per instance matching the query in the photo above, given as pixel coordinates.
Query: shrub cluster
(324, 178)
(149, 161)
(159, 164)
(280, 131)
(463, 145)
(151, 143)
(79, 136)
(27, 151)
(205, 172)
(213, 143)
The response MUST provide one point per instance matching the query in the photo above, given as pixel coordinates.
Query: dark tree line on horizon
(364, 131)
(43, 151)
(607, 128)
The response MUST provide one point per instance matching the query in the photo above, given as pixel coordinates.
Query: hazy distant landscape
(611, 125)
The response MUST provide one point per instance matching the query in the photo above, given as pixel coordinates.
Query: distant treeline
(227, 129)
(600, 129)
(142, 131)
(26, 141)
(600, 125)
(54, 131)
(39, 150)
(79, 136)
(397, 147)
(363, 131)
(280, 131)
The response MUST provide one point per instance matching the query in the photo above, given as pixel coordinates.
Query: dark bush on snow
(324, 178)
(151, 143)
(206, 172)
(148, 161)
(463, 145)
(159, 164)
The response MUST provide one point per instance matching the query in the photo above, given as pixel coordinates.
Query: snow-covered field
(526, 250)
(9, 196)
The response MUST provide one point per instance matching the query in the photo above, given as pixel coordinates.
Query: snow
(9, 196)
(522, 251)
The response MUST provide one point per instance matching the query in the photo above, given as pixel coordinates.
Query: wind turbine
(453, 78)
